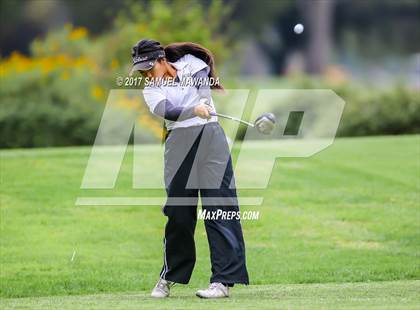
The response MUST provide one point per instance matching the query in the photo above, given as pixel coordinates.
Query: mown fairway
(379, 295)
(348, 214)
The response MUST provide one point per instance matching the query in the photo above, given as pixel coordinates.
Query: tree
(318, 21)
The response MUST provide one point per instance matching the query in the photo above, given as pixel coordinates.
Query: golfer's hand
(203, 110)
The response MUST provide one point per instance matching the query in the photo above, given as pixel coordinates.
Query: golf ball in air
(298, 28)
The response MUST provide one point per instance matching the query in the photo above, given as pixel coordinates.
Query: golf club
(263, 124)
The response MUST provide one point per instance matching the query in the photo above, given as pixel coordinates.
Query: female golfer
(197, 161)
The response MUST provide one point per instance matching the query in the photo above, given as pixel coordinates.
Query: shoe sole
(203, 297)
(159, 297)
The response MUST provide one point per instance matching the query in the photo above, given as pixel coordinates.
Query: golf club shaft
(232, 118)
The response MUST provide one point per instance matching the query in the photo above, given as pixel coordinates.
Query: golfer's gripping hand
(203, 110)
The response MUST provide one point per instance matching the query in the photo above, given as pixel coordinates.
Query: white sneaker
(162, 288)
(215, 290)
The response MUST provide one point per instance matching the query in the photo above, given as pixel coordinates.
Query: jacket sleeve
(203, 87)
(170, 112)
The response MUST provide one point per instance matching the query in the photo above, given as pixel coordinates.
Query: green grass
(382, 295)
(347, 214)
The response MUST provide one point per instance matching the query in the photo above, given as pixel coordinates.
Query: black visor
(145, 54)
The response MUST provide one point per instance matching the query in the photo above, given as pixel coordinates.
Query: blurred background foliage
(56, 95)
(59, 59)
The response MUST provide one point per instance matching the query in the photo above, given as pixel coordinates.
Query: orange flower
(97, 92)
(20, 63)
(78, 33)
(114, 64)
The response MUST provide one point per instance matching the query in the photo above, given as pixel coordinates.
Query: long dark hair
(175, 51)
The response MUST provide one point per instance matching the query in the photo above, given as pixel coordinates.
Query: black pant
(197, 160)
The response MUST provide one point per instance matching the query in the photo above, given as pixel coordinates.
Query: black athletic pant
(197, 160)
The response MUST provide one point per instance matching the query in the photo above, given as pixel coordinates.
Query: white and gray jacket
(176, 103)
